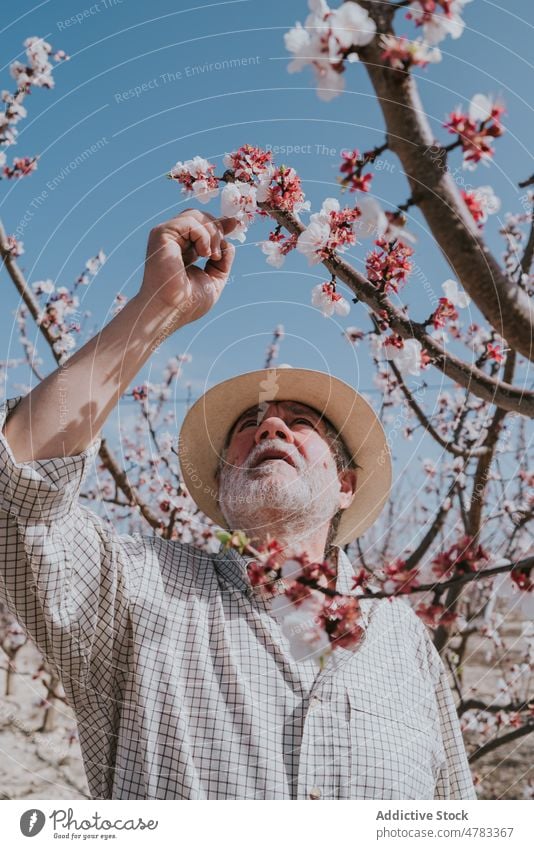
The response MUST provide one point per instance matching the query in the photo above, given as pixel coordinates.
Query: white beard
(258, 502)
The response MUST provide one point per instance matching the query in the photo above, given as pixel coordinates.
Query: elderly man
(180, 675)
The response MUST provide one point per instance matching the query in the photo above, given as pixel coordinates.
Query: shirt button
(314, 702)
(315, 793)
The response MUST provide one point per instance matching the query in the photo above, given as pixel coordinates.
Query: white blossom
(408, 358)
(351, 25)
(329, 302)
(440, 25)
(454, 295)
(372, 222)
(272, 250)
(238, 200)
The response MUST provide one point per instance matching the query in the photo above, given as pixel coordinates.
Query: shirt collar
(232, 566)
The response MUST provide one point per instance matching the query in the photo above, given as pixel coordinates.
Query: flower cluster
(315, 619)
(59, 314)
(22, 166)
(250, 179)
(435, 615)
(331, 229)
(92, 267)
(476, 128)
(248, 162)
(389, 266)
(196, 177)
(407, 354)
(447, 310)
(37, 72)
(38, 69)
(329, 301)
(328, 38)
(398, 577)
(461, 558)
(281, 188)
(438, 18)
(401, 53)
(14, 246)
(277, 247)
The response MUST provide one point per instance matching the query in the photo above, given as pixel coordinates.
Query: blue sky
(183, 108)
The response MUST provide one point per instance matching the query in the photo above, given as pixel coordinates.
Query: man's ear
(347, 487)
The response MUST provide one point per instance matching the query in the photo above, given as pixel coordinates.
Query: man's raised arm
(64, 413)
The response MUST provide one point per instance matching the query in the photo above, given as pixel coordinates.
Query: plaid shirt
(181, 678)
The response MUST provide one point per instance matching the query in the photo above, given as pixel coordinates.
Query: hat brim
(207, 424)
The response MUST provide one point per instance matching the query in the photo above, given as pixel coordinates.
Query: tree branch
(476, 704)
(528, 562)
(477, 381)
(501, 301)
(501, 741)
(480, 480)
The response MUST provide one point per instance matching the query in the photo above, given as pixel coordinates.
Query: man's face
(278, 467)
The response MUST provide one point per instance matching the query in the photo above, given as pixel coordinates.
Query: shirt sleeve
(454, 779)
(64, 574)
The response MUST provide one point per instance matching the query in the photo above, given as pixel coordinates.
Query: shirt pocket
(394, 746)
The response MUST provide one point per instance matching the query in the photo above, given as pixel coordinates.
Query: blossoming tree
(469, 547)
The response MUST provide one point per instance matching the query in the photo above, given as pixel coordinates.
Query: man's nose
(273, 428)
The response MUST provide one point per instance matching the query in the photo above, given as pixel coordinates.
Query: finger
(218, 269)
(194, 235)
(189, 256)
(214, 229)
(225, 224)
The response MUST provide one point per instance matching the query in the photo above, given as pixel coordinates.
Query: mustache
(273, 445)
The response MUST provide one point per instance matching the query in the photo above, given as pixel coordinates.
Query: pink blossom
(314, 239)
(438, 18)
(353, 335)
(401, 53)
(277, 247)
(398, 578)
(446, 311)
(248, 162)
(14, 246)
(352, 168)
(481, 203)
(454, 295)
(21, 167)
(495, 352)
(329, 301)
(327, 39)
(435, 615)
(238, 200)
(461, 558)
(341, 619)
(405, 353)
(196, 177)
(389, 266)
(476, 129)
(42, 287)
(331, 229)
(281, 188)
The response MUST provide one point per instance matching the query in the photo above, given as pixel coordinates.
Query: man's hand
(170, 276)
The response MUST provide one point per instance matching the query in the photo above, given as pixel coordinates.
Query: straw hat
(207, 423)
